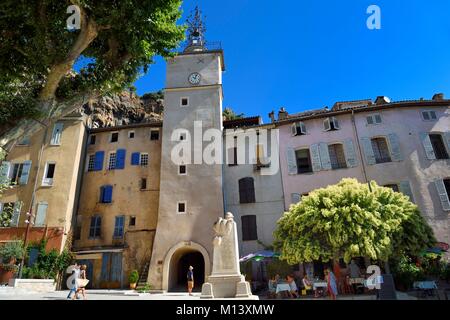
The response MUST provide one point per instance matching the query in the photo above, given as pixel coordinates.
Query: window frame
(309, 160)
(118, 228)
(109, 160)
(141, 184)
(90, 157)
(132, 218)
(185, 170)
(299, 128)
(97, 226)
(249, 227)
(422, 112)
(90, 139)
(388, 148)
(15, 178)
(442, 153)
(185, 207)
(111, 137)
(48, 182)
(181, 102)
(340, 165)
(131, 132)
(144, 155)
(246, 189)
(151, 135)
(373, 117)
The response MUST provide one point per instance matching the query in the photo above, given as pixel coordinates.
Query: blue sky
(309, 54)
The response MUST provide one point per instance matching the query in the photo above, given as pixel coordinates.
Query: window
(182, 170)
(25, 141)
(393, 187)
(182, 136)
(249, 230)
(232, 156)
(130, 134)
(96, 227)
(132, 221)
(41, 214)
(118, 227)
(106, 194)
(303, 161)
(144, 159)
(374, 119)
(331, 124)
(49, 173)
(246, 190)
(429, 115)
(16, 173)
(438, 146)
(298, 128)
(184, 102)
(112, 161)
(91, 162)
(380, 150)
(337, 156)
(114, 137)
(143, 183)
(447, 186)
(92, 139)
(154, 135)
(181, 207)
(56, 134)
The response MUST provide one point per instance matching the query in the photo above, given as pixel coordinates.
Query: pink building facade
(403, 145)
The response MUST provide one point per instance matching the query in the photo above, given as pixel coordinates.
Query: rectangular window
(337, 156)
(132, 221)
(154, 135)
(114, 137)
(438, 146)
(91, 162)
(144, 159)
(247, 190)
(130, 134)
(429, 115)
(182, 170)
(118, 227)
(49, 173)
(143, 183)
(95, 227)
(331, 124)
(112, 161)
(56, 134)
(181, 207)
(184, 102)
(92, 139)
(232, 156)
(16, 173)
(393, 187)
(380, 150)
(249, 228)
(303, 161)
(106, 194)
(374, 119)
(41, 214)
(298, 128)
(25, 141)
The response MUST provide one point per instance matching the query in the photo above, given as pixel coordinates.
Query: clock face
(194, 78)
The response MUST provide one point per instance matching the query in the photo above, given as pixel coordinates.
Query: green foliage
(34, 40)
(145, 289)
(348, 220)
(279, 267)
(134, 276)
(229, 114)
(6, 215)
(153, 95)
(406, 272)
(13, 250)
(49, 264)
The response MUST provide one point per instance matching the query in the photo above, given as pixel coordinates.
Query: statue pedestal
(226, 286)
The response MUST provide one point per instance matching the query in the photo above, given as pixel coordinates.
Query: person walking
(190, 280)
(82, 282)
(331, 283)
(74, 285)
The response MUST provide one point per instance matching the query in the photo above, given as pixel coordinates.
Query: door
(111, 273)
(89, 271)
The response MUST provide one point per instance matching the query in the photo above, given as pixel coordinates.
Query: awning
(260, 255)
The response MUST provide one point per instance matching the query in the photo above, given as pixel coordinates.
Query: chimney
(282, 114)
(272, 116)
(438, 97)
(382, 100)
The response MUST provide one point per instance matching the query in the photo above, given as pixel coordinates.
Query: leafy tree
(229, 114)
(153, 95)
(116, 42)
(348, 220)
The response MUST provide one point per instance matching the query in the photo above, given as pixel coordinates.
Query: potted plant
(133, 279)
(9, 254)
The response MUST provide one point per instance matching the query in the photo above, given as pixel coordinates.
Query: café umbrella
(260, 255)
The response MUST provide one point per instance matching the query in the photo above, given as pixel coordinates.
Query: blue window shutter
(350, 153)
(98, 162)
(324, 156)
(25, 173)
(107, 194)
(135, 157)
(32, 256)
(120, 162)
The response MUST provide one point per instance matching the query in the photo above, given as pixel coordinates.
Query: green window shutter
(405, 188)
(291, 160)
(368, 151)
(324, 156)
(25, 173)
(394, 142)
(315, 158)
(442, 192)
(426, 142)
(5, 171)
(41, 214)
(16, 214)
(350, 154)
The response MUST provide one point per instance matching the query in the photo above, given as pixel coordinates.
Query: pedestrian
(190, 280)
(82, 282)
(331, 283)
(74, 284)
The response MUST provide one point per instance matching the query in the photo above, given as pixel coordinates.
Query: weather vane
(196, 31)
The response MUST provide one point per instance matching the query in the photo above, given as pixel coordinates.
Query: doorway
(179, 265)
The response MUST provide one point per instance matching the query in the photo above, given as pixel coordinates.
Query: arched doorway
(177, 263)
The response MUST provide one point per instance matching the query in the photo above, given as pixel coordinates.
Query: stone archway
(178, 259)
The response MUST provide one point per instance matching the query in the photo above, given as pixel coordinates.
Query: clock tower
(191, 197)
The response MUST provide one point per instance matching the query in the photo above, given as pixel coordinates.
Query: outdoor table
(283, 287)
(319, 284)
